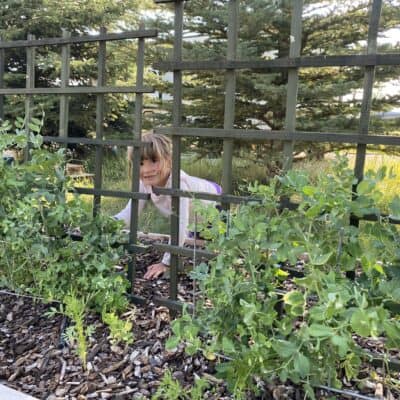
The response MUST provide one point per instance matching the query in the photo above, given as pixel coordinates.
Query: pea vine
(268, 326)
(37, 256)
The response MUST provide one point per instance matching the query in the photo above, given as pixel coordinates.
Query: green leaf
(172, 342)
(341, 344)
(318, 330)
(392, 330)
(309, 190)
(227, 345)
(283, 375)
(284, 348)
(364, 187)
(319, 259)
(314, 211)
(34, 128)
(394, 207)
(368, 322)
(301, 364)
(294, 298)
(36, 121)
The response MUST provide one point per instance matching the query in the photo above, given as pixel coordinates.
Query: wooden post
(367, 89)
(101, 80)
(293, 78)
(65, 73)
(30, 83)
(2, 63)
(230, 97)
(176, 147)
(137, 134)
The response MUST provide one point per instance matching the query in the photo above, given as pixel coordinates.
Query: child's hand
(155, 270)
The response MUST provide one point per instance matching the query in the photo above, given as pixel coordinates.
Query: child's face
(151, 173)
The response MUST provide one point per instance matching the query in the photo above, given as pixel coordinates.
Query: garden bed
(35, 359)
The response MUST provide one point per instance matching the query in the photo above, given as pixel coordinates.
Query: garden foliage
(308, 330)
(37, 255)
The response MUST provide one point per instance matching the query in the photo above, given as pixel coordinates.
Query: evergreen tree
(327, 99)
(46, 19)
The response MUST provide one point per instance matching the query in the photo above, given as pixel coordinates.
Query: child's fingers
(154, 271)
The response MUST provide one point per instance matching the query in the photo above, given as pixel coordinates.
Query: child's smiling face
(152, 174)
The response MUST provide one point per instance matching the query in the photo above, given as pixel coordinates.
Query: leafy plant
(36, 254)
(308, 333)
(77, 334)
(120, 330)
(171, 389)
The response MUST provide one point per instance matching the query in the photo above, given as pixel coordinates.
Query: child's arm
(125, 214)
(155, 270)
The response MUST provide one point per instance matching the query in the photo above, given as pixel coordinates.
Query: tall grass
(389, 187)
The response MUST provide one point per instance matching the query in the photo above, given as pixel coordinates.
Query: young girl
(155, 171)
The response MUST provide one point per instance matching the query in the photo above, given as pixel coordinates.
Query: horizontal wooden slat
(112, 193)
(374, 218)
(174, 305)
(204, 196)
(183, 251)
(378, 360)
(73, 90)
(265, 135)
(148, 33)
(361, 60)
(160, 301)
(135, 248)
(137, 299)
(95, 142)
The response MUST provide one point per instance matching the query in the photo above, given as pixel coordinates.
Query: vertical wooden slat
(230, 89)
(30, 83)
(176, 147)
(369, 75)
(2, 62)
(101, 81)
(137, 134)
(293, 78)
(65, 73)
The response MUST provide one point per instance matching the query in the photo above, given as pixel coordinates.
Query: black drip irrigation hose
(349, 393)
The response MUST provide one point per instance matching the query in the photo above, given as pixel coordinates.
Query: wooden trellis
(289, 135)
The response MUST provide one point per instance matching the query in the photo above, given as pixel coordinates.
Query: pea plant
(262, 324)
(37, 255)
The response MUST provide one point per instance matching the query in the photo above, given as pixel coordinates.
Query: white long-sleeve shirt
(163, 204)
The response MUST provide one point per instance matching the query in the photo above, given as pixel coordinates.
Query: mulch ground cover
(35, 359)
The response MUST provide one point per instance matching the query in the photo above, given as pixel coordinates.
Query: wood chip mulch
(35, 359)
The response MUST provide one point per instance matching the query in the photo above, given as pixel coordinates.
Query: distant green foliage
(326, 95)
(46, 19)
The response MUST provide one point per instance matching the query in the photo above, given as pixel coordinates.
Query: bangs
(149, 152)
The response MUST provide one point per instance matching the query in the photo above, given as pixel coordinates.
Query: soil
(35, 359)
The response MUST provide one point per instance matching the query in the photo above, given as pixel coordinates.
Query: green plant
(120, 330)
(313, 339)
(171, 389)
(75, 308)
(37, 255)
